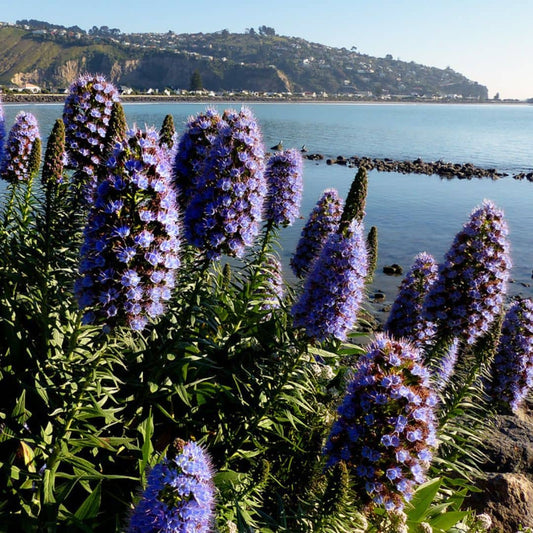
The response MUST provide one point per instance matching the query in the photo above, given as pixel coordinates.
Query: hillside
(52, 56)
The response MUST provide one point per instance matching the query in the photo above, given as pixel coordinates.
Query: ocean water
(413, 213)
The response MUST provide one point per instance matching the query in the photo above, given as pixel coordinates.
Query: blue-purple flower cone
(86, 114)
(322, 222)
(193, 147)
(470, 289)
(386, 426)
(16, 162)
(179, 496)
(334, 289)
(130, 254)
(285, 186)
(224, 213)
(2, 132)
(405, 319)
(513, 363)
(273, 285)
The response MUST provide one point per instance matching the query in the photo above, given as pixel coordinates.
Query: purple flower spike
(128, 259)
(446, 366)
(86, 115)
(193, 147)
(179, 496)
(334, 289)
(285, 186)
(513, 363)
(469, 292)
(17, 161)
(224, 213)
(323, 221)
(386, 426)
(274, 291)
(405, 319)
(2, 132)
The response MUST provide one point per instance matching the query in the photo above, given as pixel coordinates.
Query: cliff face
(225, 61)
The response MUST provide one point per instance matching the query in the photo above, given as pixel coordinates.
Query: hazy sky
(489, 41)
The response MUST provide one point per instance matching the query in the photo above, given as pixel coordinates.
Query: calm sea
(413, 213)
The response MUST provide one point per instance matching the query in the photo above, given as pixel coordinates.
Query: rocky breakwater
(440, 168)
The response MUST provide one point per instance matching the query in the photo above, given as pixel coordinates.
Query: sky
(488, 41)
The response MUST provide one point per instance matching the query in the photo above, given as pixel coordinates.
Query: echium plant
(372, 249)
(285, 185)
(354, 207)
(471, 284)
(179, 496)
(23, 150)
(167, 133)
(405, 319)
(130, 253)
(116, 129)
(192, 150)
(2, 131)
(446, 366)
(54, 158)
(273, 287)
(322, 222)
(86, 114)
(513, 364)
(226, 207)
(386, 426)
(334, 289)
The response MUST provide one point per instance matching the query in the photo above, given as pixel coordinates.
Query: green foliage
(440, 513)
(466, 410)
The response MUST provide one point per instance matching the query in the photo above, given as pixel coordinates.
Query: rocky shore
(417, 166)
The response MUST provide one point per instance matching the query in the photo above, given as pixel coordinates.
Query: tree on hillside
(196, 82)
(266, 30)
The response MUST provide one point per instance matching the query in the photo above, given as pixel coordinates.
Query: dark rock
(379, 296)
(507, 490)
(509, 445)
(393, 270)
(386, 309)
(508, 499)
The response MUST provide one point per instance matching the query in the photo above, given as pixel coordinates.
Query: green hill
(52, 56)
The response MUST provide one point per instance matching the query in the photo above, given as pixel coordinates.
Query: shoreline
(17, 98)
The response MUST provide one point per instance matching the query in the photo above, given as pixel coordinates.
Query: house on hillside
(27, 88)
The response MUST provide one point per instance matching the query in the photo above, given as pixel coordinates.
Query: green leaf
(445, 521)
(89, 508)
(226, 478)
(422, 499)
(146, 429)
(48, 486)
